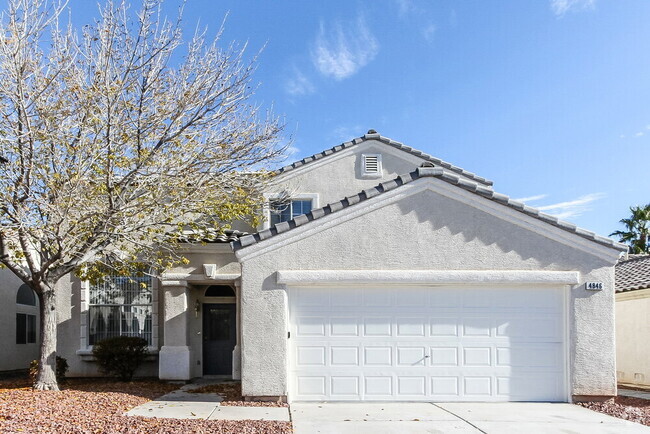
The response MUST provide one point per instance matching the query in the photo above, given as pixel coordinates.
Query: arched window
(219, 291)
(25, 296)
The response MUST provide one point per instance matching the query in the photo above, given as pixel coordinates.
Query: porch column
(175, 355)
(236, 352)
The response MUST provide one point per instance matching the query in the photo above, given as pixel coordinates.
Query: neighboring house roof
(226, 236)
(633, 273)
(372, 135)
(423, 172)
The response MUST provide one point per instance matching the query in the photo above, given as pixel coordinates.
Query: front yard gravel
(623, 407)
(98, 405)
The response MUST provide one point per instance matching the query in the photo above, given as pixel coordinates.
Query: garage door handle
(426, 357)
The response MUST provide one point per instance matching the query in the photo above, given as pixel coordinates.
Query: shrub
(120, 356)
(61, 369)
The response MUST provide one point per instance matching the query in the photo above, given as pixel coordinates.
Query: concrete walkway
(181, 404)
(475, 418)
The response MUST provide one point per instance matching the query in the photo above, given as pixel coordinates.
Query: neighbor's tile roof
(633, 273)
(225, 236)
(422, 172)
(394, 144)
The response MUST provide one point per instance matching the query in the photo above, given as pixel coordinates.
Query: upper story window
(120, 306)
(371, 165)
(288, 210)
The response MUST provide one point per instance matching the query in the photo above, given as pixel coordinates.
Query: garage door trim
(329, 277)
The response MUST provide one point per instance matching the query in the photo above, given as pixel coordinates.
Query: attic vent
(372, 165)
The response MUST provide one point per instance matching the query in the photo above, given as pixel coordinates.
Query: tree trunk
(46, 379)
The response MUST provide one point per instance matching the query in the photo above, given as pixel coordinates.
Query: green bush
(120, 356)
(61, 369)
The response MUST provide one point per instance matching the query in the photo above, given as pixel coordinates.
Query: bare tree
(116, 139)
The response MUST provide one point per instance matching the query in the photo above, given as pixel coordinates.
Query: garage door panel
(411, 356)
(477, 356)
(477, 326)
(378, 386)
(310, 356)
(342, 386)
(411, 326)
(486, 350)
(344, 356)
(377, 326)
(311, 326)
(444, 356)
(443, 326)
(531, 356)
(344, 326)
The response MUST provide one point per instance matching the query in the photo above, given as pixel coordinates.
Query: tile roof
(633, 273)
(376, 136)
(423, 172)
(225, 236)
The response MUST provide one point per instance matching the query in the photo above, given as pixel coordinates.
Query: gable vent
(372, 164)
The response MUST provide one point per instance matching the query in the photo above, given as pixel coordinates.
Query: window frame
(314, 197)
(30, 328)
(85, 306)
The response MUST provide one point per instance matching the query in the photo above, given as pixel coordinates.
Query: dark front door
(219, 338)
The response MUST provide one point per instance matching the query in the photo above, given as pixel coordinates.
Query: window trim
(314, 197)
(84, 306)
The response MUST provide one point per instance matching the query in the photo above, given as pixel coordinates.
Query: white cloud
(639, 134)
(572, 208)
(531, 198)
(561, 7)
(291, 152)
(429, 32)
(406, 7)
(340, 52)
(299, 84)
(344, 133)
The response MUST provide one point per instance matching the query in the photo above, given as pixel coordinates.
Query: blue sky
(548, 98)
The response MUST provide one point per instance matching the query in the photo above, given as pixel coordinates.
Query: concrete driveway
(397, 418)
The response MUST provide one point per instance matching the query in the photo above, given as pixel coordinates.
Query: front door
(219, 338)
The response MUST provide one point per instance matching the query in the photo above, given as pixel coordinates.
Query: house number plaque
(594, 286)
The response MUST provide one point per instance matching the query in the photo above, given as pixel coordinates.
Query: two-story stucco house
(389, 275)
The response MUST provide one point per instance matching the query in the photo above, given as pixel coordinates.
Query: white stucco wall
(425, 231)
(339, 175)
(14, 356)
(632, 337)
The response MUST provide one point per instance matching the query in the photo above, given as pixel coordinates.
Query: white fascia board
(443, 188)
(633, 294)
(421, 277)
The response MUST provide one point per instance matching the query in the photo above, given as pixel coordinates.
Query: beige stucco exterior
(632, 337)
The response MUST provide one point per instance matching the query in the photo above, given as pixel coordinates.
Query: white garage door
(427, 344)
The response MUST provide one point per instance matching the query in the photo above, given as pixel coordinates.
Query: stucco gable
(451, 185)
(373, 136)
